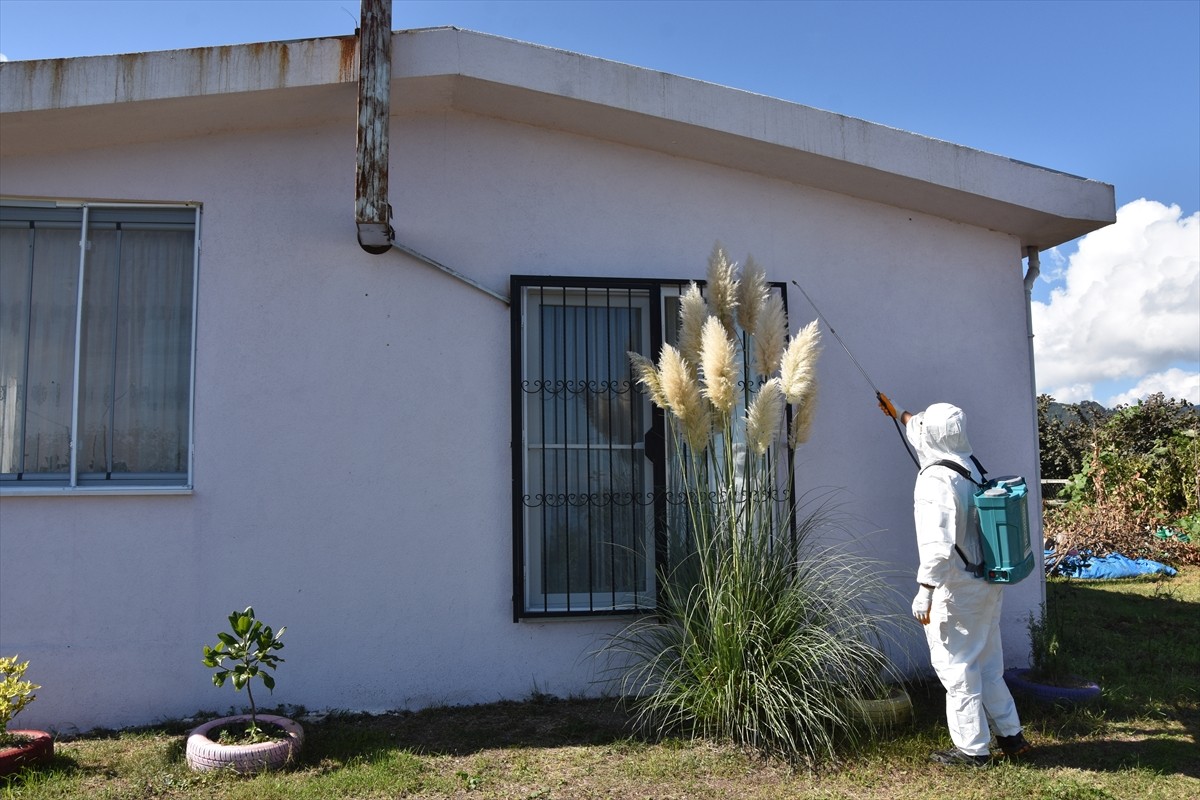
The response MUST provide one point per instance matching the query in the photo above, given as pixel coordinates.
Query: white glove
(921, 604)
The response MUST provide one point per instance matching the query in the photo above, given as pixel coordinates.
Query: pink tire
(204, 754)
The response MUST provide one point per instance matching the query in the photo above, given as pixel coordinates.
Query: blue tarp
(1082, 564)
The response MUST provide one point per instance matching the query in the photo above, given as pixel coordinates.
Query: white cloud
(1076, 393)
(3, 57)
(1174, 383)
(1053, 265)
(1129, 306)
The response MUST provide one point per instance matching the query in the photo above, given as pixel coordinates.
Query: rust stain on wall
(57, 67)
(129, 74)
(348, 59)
(285, 58)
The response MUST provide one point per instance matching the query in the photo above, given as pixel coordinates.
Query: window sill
(71, 491)
(584, 616)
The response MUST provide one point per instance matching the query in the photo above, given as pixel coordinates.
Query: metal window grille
(597, 514)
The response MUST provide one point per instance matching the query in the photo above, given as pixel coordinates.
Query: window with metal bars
(97, 347)
(591, 459)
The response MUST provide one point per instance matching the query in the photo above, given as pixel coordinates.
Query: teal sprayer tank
(1003, 507)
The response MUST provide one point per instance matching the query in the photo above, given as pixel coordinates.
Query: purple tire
(1019, 683)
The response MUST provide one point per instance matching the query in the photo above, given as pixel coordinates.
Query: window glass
(133, 397)
(586, 506)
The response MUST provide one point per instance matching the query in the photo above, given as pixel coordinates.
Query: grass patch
(1139, 639)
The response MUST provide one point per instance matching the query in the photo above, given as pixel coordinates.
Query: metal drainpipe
(1031, 276)
(372, 212)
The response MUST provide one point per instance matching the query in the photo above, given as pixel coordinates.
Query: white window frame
(53, 487)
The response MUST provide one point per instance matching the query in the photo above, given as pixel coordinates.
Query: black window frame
(655, 437)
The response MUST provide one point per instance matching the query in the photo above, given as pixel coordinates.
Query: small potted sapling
(246, 742)
(19, 748)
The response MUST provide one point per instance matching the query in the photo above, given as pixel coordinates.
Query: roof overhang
(66, 104)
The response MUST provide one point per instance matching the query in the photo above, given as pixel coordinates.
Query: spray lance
(879, 396)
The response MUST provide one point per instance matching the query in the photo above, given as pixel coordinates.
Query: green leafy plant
(1131, 471)
(15, 693)
(762, 636)
(1050, 662)
(243, 655)
(1065, 433)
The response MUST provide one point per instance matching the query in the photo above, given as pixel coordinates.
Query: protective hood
(939, 433)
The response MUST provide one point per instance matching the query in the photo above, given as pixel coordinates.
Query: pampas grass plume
(648, 376)
(693, 310)
(718, 365)
(698, 427)
(752, 293)
(797, 369)
(682, 393)
(770, 336)
(764, 415)
(722, 288)
(802, 418)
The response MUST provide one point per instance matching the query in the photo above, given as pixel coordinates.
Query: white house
(239, 406)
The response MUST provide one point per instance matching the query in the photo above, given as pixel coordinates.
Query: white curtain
(135, 347)
(135, 376)
(588, 510)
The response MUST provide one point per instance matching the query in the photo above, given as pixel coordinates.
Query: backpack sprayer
(1001, 504)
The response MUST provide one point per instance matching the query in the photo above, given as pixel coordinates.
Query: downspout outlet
(1035, 269)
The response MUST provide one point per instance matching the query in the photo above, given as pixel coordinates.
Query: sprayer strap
(961, 470)
(974, 569)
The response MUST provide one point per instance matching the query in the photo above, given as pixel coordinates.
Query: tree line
(1132, 477)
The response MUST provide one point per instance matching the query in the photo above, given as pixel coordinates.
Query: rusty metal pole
(372, 212)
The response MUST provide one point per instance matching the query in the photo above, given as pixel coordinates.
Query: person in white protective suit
(960, 612)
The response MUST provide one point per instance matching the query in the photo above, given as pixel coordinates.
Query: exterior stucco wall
(352, 474)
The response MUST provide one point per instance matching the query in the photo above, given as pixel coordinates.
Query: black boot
(1013, 746)
(956, 756)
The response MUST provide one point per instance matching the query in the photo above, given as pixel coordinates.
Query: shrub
(1140, 472)
(15, 692)
(763, 636)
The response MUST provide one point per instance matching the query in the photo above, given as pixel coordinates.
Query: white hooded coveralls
(964, 620)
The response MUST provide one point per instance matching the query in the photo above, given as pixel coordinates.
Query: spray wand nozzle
(884, 402)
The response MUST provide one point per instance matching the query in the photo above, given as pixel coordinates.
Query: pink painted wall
(352, 465)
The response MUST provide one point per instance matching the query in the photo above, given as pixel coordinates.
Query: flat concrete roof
(75, 103)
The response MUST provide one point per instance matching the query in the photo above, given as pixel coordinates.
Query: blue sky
(1104, 90)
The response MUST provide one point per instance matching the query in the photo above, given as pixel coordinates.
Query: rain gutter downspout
(372, 211)
(1031, 276)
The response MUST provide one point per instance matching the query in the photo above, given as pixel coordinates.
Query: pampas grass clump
(763, 637)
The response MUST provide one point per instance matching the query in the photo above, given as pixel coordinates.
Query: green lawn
(1141, 739)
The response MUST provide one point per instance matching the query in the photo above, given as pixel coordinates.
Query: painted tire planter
(1018, 681)
(204, 754)
(886, 712)
(38, 750)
